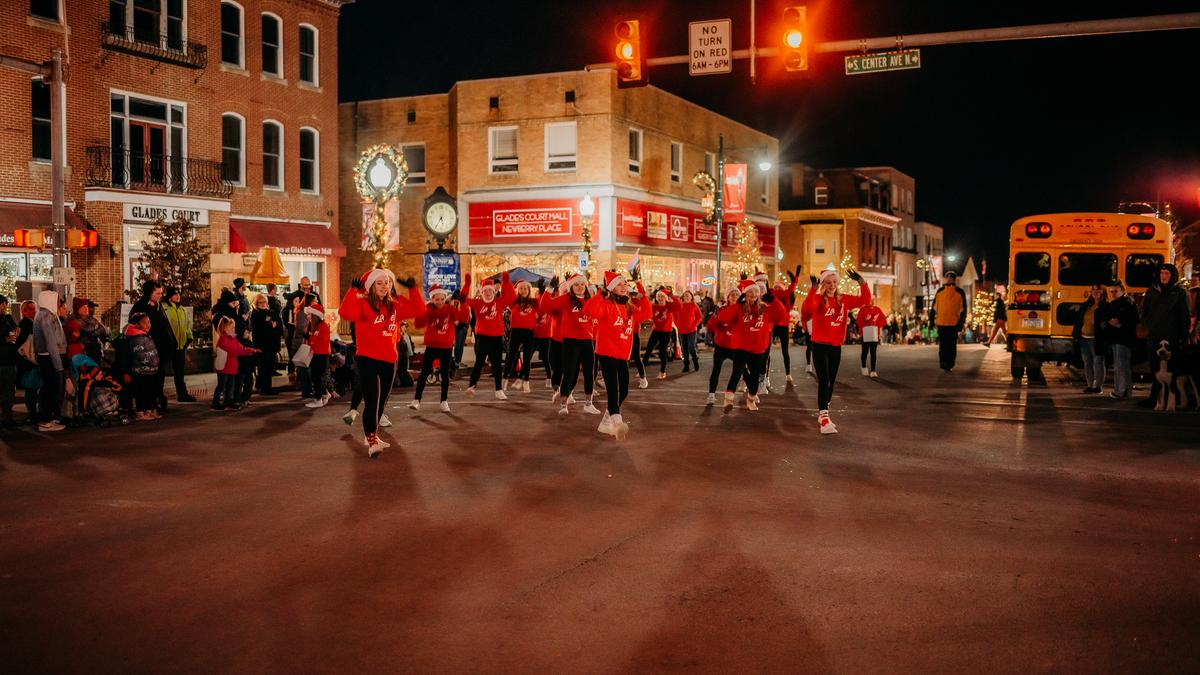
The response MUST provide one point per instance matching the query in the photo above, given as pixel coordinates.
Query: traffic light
(29, 238)
(795, 45)
(631, 64)
(81, 238)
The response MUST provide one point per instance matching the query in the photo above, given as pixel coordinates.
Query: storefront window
(12, 265)
(41, 266)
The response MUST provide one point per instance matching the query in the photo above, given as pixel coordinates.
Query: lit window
(502, 150)
(821, 195)
(309, 166)
(308, 54)
(272, 155)
(272, 52)
(677, 163)
(560, 147)
(231, 34)
(635, 151)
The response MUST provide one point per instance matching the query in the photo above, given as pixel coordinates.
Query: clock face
(441, 218)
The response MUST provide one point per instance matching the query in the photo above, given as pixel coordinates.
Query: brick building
(221, 110)
(865, 212)
(530, 148)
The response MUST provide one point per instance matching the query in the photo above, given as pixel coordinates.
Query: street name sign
(710, 47)
(877, 63)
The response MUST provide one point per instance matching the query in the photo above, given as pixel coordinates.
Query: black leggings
(542, 346)
(521, 339)
(490, 347)
(745, 365)
(720, 355)
(316, 372)
(784, 335)
(660, 339)
(445, 358)
(616, 381)
(556, 363)
(869, 347)
(636, 354)
(375, 379)
(826, 361)
(578, 355)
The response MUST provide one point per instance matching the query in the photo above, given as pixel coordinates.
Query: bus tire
(1018, 372)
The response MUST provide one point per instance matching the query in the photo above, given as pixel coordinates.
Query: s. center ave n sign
(877, 63)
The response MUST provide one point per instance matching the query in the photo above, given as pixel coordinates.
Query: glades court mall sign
(527, 222)
(147, 213)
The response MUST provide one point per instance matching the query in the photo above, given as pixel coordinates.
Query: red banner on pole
(735, 192)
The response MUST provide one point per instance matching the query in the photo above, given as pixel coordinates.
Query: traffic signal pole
(1048, 30)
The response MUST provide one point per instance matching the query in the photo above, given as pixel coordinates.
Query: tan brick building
(520, 153)
(222, 110)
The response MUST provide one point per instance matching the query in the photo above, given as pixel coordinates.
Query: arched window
(310, 167)
(233, 34)
(233, 145)
(309, 53)
(272, 44)
(272, 155)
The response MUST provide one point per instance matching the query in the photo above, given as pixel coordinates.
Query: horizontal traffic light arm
(1048, 30)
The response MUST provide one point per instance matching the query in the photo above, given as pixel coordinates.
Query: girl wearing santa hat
(828, 308)
(438, 319)
(489, 328)
(688, 320)
(870, 317)
(617, 318)
(522, 321)
(577, 334)
(752, 317)
(782, 331)
(317, 339)
(556, 338)
(663, 313)
(542, 333)
(371, 304)
(722, 341)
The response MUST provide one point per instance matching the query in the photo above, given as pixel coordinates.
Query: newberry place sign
(877, 63)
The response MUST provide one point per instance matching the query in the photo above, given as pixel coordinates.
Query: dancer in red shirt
(438, 319)
(782, 330)
(828, 309)
(555, 345)
(489, 328)
(523, 320)
(617, 318)
(541, 336)
(722, 341)
(688, 320)
(317, 339)
(372, 305)
(870, 317)
(664, 310)
(577, 336)
(752, 318)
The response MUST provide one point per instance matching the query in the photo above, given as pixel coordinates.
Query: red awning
(16, 216)
(248, 236)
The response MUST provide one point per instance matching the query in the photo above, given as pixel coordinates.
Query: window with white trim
(502, 150)
(40, 105)
(677, 163)
(821, 195)
(308, 54)
(414, 157)
(272, 155)
(160, 22)
(819, 247)
(310, 168)
(232, 34)
(233, 142)
(635, 151)
(561, 149)
(272, 44)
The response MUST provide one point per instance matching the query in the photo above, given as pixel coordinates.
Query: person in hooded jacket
(523, 323)
(829, 309)
(49, 345)
(151, 304)
(489, 328)
(1117, 323)
(92, 333)
(144, 365)
(439, 319)
(616, 318)
(1166, 314)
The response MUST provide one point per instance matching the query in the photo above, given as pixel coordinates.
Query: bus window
(1085, 269)
(1141, 269)
(1031, 268)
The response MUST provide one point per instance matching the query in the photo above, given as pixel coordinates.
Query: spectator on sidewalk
(92, 333)
(151, 305)
(1167, 315)
(265, 331)
(1087, 342)
(50, 346)
(1117, 321)
(950, 307)
(181, 328)
(8, 362)
(144, 366)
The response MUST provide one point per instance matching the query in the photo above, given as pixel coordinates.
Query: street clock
(440, 214)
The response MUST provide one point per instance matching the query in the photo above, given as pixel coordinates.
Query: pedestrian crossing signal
(795, 44)
(631, 64)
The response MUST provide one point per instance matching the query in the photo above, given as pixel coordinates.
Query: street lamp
(719, 211)
(379, 177)
(586, 209)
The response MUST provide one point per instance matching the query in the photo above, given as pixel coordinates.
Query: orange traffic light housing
(82, 238)
(795, 39)
(631, 63)
(29, 238)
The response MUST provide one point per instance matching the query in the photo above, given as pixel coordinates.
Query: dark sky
(991, 132)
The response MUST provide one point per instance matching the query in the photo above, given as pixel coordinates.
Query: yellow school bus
(1053, 262)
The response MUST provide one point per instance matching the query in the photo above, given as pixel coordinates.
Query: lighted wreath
(362, 173)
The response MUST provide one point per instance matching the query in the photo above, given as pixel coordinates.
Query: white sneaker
(416, 404)
(712, 399)
(504, 387)
(762, 386)
(728, 402)
(549, 383)
(445, 406)
(52, 426)
(619, 428)
(382, 443)
(826, 425)
(605, 425)
(789, 378)
(315, 403)
(644, 383)
(591, 409)
(755, 399)
(563, 411)
(325, 398)
(501, 395)
(373, 447)
(751, 404)
(571, 398)
(349, 417)
(554, 398)
(525, 387)
(865, 371)
(384, 421)
(470, 391)
(874, 374)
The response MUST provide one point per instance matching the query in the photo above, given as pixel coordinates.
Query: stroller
(97, 392)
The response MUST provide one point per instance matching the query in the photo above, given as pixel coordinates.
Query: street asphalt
(959, 522)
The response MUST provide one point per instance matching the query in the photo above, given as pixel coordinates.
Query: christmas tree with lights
(746, 256)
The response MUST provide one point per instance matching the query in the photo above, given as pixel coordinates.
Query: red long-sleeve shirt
(545, 322)
(829, 316)
(439, 322)
(523, 315)
(616, 324)
(871, 316)
(722, 332)
(489, 316)
(377, 334)
(789, 301)
(688, 317)
(319, 339)
(752, 329)
(575, 323)
(663, 315)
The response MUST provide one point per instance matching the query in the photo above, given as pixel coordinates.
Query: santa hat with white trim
(371, 277)
(745, 284)
(826, 273)
(524, 282)
(316, 310)
(761, 278)
(437, 290)
(573, 278)
(611, 279)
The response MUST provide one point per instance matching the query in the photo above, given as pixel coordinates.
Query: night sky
(991, 132)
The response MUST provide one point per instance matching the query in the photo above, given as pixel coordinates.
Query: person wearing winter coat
(439, 319)
(523, 323)
(265, 329)
(229, 306)
(1166, 314)
(92, 333)
(50, 346)
(950, 306)
(870, 317)
(829, 309)
(318, 341)
(181, 328)
(617, 318)
(578, 333)
(372, 306)
(9, 358)
(663, 313)
(722, 333)
(151, 304)
(1087, 336)
(688, 321)
(1117, 322)
(489, 328)
(143, 366)
(229, 348)
(752, 317)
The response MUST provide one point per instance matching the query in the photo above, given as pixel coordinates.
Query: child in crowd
(317, 339)
(143, 366)
(228, 349)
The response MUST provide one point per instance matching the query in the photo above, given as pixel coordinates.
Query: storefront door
(147, 150)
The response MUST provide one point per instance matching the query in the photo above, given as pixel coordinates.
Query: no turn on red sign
(711, 47)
